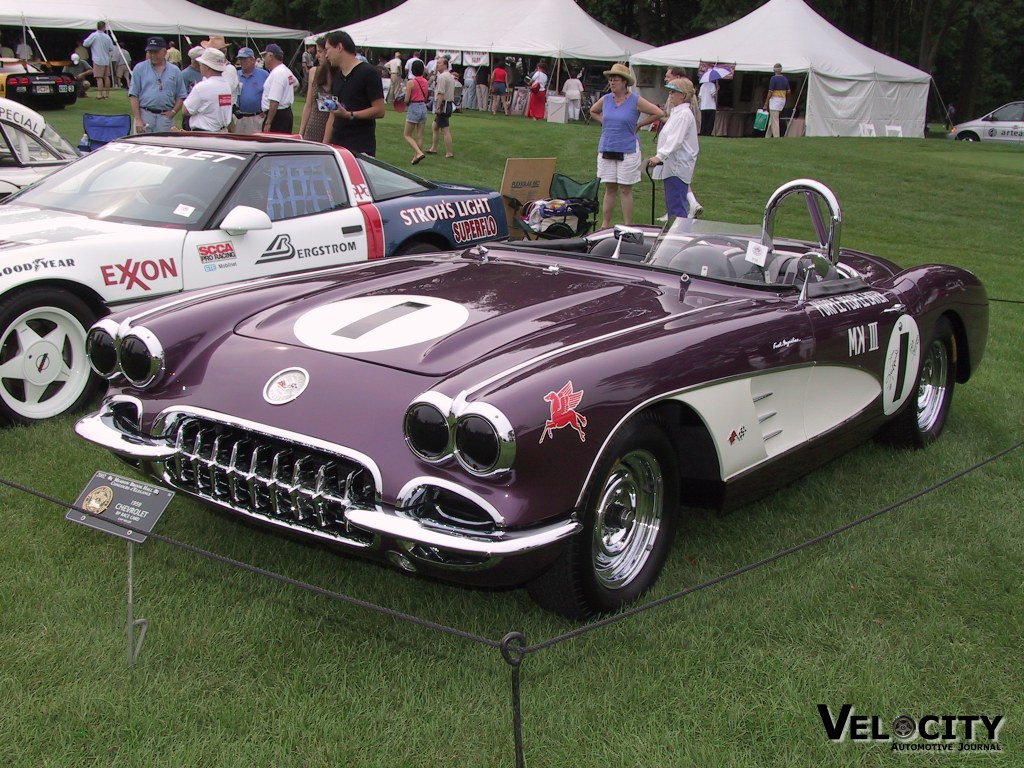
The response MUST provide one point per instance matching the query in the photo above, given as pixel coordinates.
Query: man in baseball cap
(251, 79)
(157, 90)
(278, 92)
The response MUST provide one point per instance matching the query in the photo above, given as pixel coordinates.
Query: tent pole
(789, 122)
(35, 40)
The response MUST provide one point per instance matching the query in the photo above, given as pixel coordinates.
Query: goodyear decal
(36, 265)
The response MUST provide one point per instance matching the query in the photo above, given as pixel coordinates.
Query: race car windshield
(139, 184)
(711, 249)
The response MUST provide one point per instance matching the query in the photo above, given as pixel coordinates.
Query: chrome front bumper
(111, 428)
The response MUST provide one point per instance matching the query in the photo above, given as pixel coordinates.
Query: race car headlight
(485, 443)
(427, 431)
(101, 348)
(140, 356)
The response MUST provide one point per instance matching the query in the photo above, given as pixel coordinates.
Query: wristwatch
(351, 115)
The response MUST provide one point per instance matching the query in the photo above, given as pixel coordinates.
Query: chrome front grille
(270, 478)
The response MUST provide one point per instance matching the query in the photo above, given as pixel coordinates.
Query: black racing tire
(922, 419)
(630, 512)
(43, 368)
(968, 137)
(416, 246)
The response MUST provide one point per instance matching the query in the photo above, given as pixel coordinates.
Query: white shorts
(625, 171)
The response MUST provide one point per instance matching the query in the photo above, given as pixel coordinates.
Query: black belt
(157, 111)
(249, 114)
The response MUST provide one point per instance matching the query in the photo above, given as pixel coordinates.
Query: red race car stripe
(360, 192)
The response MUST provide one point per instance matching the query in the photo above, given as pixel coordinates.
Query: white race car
(157, 214)
(29, 148)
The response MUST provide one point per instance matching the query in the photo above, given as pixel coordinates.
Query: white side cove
(752, 420)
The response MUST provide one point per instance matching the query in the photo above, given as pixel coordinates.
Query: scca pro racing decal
(902, 358)
(136, 273)
(378, 323)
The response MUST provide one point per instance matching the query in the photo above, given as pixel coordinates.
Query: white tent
(552, 28)
(852, 90)
(148, 17)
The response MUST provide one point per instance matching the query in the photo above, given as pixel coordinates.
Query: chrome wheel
(932, 386)
(628, 514)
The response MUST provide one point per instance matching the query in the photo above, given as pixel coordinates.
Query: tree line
(970, 47)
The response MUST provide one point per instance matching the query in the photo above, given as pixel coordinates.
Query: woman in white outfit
(676, 157)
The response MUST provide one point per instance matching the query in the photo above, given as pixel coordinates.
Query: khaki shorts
(625, 171)
(101, 70)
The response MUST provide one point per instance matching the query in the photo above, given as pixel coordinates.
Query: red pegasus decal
(563, 413)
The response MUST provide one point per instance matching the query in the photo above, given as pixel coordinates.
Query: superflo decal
(136, 273)
(929, 733)
(281, 249)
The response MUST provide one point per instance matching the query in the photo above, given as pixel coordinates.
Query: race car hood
(434, 318)
(24, 227)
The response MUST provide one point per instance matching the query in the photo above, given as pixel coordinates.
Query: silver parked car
(1003, 124)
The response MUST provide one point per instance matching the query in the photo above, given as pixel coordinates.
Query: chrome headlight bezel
(499, 430)
(442, 406)
(101, 330)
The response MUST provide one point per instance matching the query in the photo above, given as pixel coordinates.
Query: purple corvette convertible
(517, 414)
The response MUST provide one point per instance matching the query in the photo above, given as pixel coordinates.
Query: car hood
(23, 226)
(434, 317)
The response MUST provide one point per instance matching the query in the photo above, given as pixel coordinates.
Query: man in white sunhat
(278, 92)
(230, 74)
(208, 106)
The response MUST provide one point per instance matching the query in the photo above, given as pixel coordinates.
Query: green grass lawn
(917, 612)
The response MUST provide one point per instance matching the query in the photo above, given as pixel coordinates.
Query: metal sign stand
(134, 644)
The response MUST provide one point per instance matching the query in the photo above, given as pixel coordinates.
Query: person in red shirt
(499, 88)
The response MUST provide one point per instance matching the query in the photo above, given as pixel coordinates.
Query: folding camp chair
(102, 129)
(570, 212)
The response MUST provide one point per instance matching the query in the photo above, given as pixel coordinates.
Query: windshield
(710, 249)
(140, 184)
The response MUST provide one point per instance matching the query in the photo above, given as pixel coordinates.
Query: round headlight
(140, 356)
(101, 349)
(484, 441)
(427, 432)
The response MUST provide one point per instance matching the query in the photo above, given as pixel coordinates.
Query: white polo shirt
(209, 105)
(280, 87)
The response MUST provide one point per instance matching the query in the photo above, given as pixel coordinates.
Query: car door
(866, 345)
(310, 223)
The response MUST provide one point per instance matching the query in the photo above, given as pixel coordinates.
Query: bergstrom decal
(135, 273)
(379, 323)
(563, 405)
(281, 249)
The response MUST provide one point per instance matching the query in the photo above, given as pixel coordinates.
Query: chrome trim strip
(99, 429)
(504, 544)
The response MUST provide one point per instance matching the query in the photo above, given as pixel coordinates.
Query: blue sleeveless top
(618, 131)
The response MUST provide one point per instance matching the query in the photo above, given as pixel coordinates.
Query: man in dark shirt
(359, 94)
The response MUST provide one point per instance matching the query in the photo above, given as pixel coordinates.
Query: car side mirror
(243, 218)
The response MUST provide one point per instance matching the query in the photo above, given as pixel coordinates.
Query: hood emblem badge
(284, 386)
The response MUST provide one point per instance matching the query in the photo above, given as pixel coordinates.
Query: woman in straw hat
(676, 157)
(618, 151)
